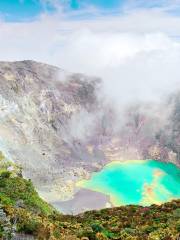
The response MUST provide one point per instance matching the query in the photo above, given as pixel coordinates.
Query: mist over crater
(61, 126)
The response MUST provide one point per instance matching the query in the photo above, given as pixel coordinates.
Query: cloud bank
(136, 50)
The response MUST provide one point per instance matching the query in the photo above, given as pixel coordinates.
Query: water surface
(141, 182)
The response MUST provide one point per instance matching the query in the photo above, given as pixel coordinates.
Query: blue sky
(20, 10)
(106, 4)
(27, 10)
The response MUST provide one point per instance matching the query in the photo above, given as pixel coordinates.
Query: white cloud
(132, 65)
(136, 53)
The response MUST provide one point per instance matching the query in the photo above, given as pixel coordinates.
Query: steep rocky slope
(60, 128)
(38, 107)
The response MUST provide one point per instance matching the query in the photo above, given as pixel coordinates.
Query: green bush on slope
(14, 189)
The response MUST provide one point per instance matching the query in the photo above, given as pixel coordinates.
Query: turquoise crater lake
(141, 182)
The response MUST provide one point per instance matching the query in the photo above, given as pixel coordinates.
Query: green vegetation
(15, 190)
(23, 211)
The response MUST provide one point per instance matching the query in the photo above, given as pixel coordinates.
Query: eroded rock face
(55, 125)
(38, 106)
